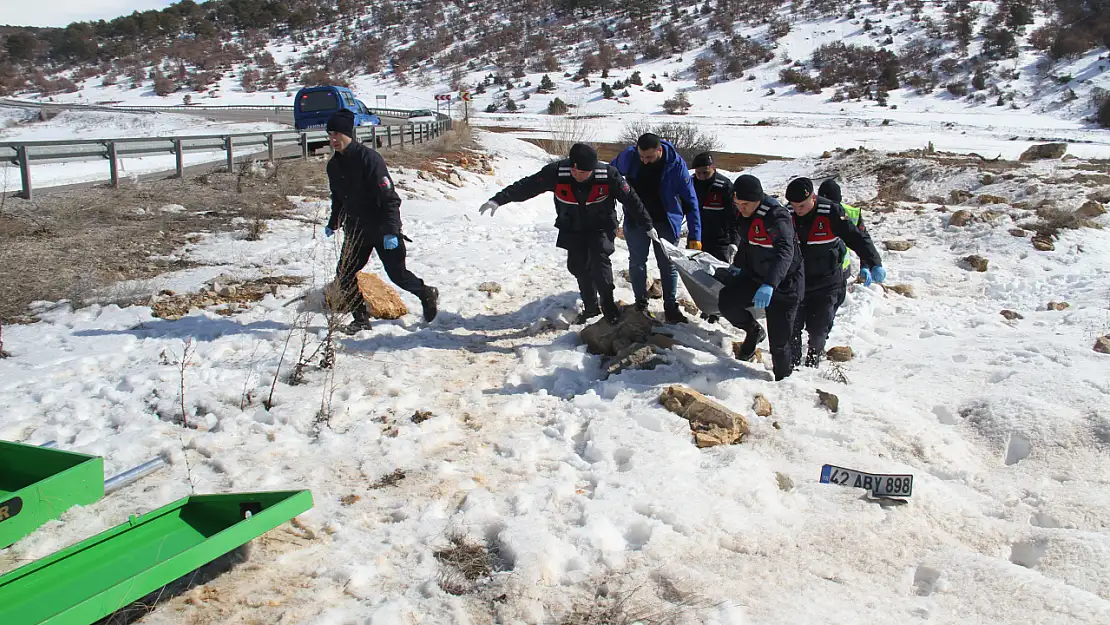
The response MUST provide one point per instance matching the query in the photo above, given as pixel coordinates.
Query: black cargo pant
(588, 261)
(736, 298)
(357, 247)
(816, 315)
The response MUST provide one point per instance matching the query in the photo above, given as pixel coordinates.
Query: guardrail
(177, 108)
(24, 153)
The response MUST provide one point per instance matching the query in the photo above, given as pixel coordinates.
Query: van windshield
(318, 101)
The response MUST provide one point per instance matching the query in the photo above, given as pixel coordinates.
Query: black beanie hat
(342, 122)
(829, 189)
(747, 188)
(799, 189)
(583, 157)
(705, 159)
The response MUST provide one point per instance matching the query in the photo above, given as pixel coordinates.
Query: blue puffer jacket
(677, 188)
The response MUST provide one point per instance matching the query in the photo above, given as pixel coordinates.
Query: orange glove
(693, 245)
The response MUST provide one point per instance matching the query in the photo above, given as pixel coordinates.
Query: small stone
(958, 196)
(756, 357)
(688, 306)
(1043, 244)
(1102, 344)
(960, 218)
(1011, 315)
(898, 245)
(976, 262)
(1090, 209)
(350, 500)
(710, 422)
(828, 400)
(455, 179)
(1044, 151)
(986, 179)
(840, 353)
(626, 276)
(905, 290)
(420, 416)
(784, 481)
(826, 154)
(655, 290)
(1058, 305)
(992, 199)
(775, 424)
(620, 232)
(489, 287)
(1017, 232)
(761, 406)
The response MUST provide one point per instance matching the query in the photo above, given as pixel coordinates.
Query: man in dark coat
(586, 193)
(766, 272)
(719, 214)
(824, 229)
(367, 207)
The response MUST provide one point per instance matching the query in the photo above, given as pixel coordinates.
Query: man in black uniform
(585, 207)
(365, 204)
(766, 271)
(718, 210)
(823, 229)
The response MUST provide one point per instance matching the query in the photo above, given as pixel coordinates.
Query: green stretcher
(94, 578)
(38, 484)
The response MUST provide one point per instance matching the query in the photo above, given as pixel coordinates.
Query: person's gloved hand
(653, 235)
(490, 206)
(865, 275)
(878, 274)
(731, 252)
(693, 245)
(390, 242)
(762, 297)
(328, 232)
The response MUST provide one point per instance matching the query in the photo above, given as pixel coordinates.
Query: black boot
(587, 313)
(813, 357)
(429, 301)
(361, 322)
(641, 305)
(609, 308)
(755, 336)
(672, 314)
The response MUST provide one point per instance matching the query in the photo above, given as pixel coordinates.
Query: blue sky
(62, 12)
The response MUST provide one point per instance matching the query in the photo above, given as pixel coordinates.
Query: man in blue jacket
(662, 181)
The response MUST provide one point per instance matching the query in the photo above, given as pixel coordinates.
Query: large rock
(711, 423)
(1011, 315)
(381, 299)
(489, 287)
(638, 356)
(960, 218)
(1058, 306)
(607, 339)
(1043, 151)
(958, 196)
(828, 400)
(905, 290)
(1043, 243)
(992, 199)
(897, 245)
(1090, 209)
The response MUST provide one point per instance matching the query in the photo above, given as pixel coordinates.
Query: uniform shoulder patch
(624, 186)
(386, 183)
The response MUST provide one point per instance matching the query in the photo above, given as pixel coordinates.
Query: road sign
(464, 96)
(444, 97)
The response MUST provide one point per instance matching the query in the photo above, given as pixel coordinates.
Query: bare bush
(686, 137)
(678, 105)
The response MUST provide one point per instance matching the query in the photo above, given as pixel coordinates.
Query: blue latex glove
(763, 296)
(878, 274)
(390, 242)
(734, 270)
(865, 275)
(328, 232)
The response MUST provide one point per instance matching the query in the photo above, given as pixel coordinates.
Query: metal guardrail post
(389, 135)
(179, 158)
(270, 146)
(374, 136)
(304, 145)
(113, 163)
(24, 170)
(230, 154)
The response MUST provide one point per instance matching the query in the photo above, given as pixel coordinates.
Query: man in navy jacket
(662, 181)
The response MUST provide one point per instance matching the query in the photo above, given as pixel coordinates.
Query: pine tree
(546, 85)
(607, 91)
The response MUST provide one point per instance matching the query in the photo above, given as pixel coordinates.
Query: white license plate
(880, 485)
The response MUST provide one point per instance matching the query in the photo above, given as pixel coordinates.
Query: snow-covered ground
(18, 124)
(581, 482)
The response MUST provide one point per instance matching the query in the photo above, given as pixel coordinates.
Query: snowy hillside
(492, 426)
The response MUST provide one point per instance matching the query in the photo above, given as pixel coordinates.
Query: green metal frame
(92, 579)
(38, 484)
